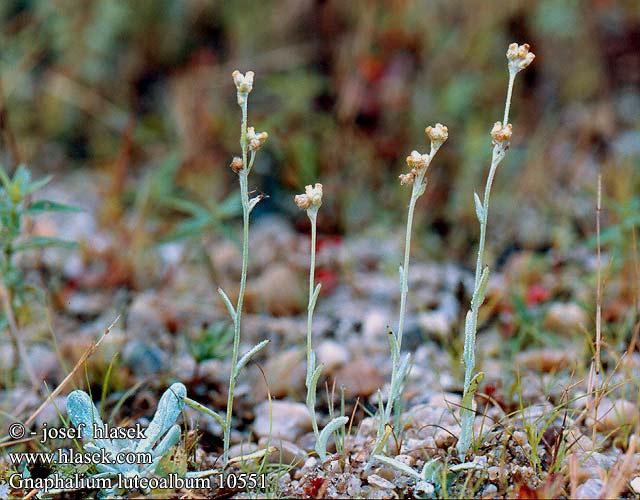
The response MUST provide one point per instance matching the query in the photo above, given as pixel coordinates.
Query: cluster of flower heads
(255, 140)
(312, 197)
(417, 162)
(519, 57)
(500, 134)
(244, 83)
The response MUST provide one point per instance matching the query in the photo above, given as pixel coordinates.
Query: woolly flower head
(438, 134)
(236, 164)
(407, 178)
(417, 161)
(500, 134)
(256, 140)
(519, 57)
(244, 83)
(312, 197)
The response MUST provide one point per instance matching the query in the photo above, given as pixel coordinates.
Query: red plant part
(312, 488)
(536, 293)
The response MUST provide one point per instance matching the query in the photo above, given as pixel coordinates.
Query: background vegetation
(347, 89)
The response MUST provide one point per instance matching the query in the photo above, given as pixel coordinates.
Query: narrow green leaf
(4, 178)
(479, 208)
(21, 178)
(311, 368)
(227, 302)
(401, 466)
(187, 206)
(467, 398)
(388, 430)
(35, 185)
(247, 357)
(333, 425)
(314, 297)
(40, 206)
(203, 409)
(393, 344)
(313, 382)
(42, 242)
(478, 295)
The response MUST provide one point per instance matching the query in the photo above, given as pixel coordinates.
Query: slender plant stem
(312, 213)
(467, 414)
(405, 269)
(507, 103)
(244, 196)
(404, 288)
(417, 191)
(597, 361)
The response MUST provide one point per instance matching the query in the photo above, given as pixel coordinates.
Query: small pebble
(380, 482)
(289, 420)
(490, 491)
(591, 488)
(520, 437)
(494, 473)
(635, 485)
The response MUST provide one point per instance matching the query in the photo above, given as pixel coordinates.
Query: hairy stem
(244, 196)
(471, 328)
(418, 188)
(312, 213)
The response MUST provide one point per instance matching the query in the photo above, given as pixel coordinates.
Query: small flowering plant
(250, 143)
(311, 200)
(518, 58)
(416, 177)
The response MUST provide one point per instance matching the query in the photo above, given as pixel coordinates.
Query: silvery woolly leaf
(227, 302)
(479, 208)
(169, 408)
(171, 439)
(247, 357)
(478, 295)
(314, 297)
(82, 411)
(333, 425)
(313, 382)
(397, 464)
(467, 399)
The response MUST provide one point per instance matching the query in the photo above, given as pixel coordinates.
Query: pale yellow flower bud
(236, 164)
(500, 134)
(244, 83)
(519, 57)
(314, 193)
(302, 200)
(256, 141)
(417, 161)
(407, 179)
(438, 134)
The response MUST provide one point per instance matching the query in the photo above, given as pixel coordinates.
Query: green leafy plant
(250, 143)
(211, 342)
(518, 58)
(15, 206)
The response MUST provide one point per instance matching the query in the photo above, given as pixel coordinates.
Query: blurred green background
(345, 89)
